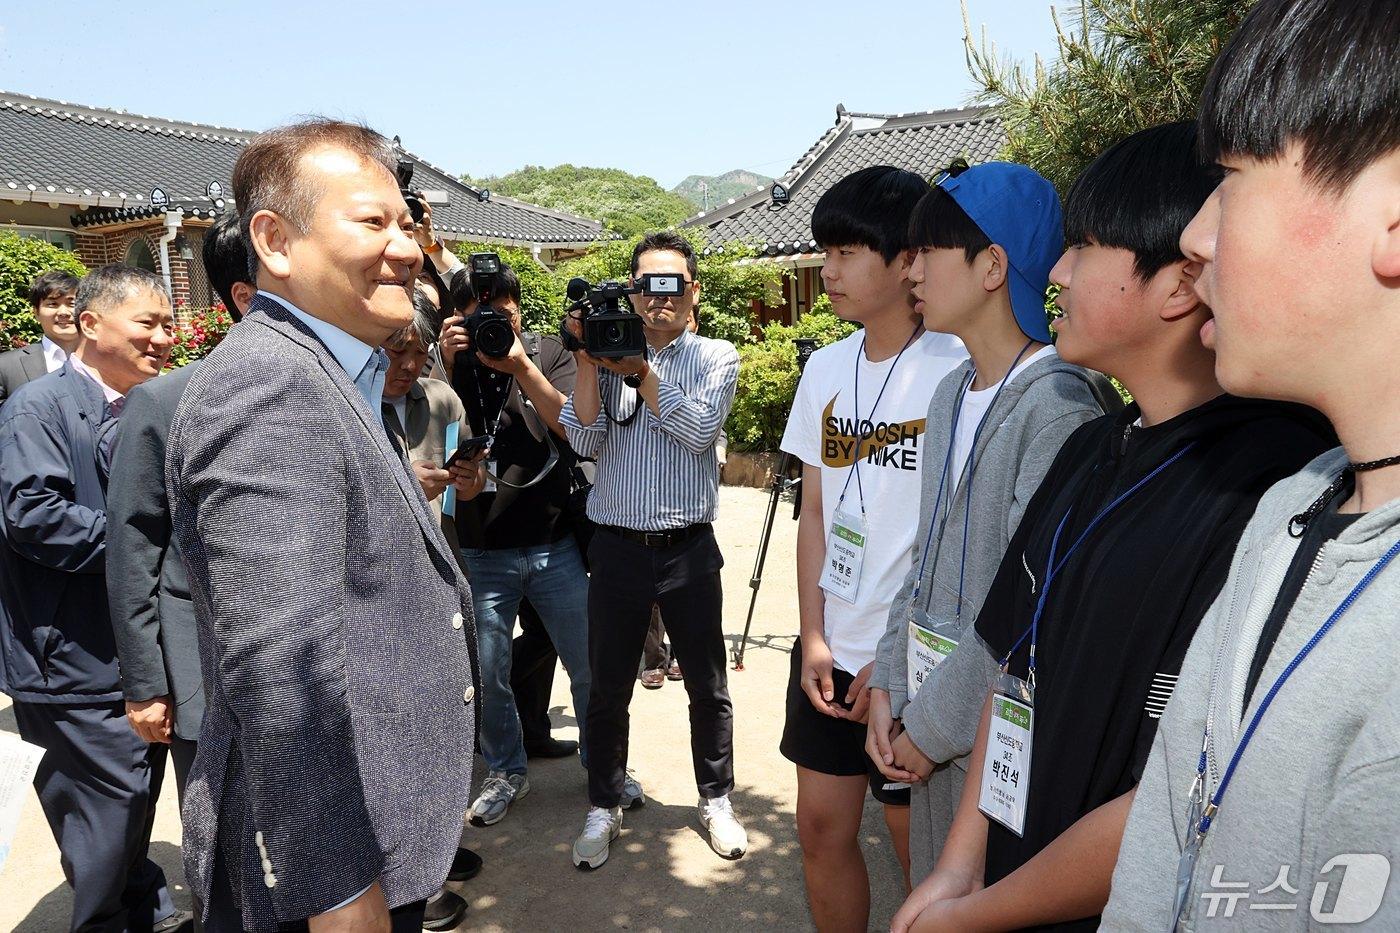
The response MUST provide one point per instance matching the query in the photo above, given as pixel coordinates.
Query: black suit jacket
(147, 587)
(20, 366)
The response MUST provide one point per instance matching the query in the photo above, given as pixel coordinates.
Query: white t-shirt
(974, 409)
(822, 431)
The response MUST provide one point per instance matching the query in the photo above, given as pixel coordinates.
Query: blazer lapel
(32, 361)
(277, 318)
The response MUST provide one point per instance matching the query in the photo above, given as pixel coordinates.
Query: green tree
(1123, 65)
(626, 204)
(23, 259)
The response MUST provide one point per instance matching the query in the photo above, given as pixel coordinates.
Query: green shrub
(22, 260)
(768, 377)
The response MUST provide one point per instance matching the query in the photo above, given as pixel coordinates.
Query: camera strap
(641, 403)
(552, 459)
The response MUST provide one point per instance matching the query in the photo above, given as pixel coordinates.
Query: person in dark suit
(51, 297)
(97, 781)
(335, 754)
(147, 590)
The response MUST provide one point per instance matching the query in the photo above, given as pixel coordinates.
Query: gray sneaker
(497, 794)
(632, 795)
(599, 830)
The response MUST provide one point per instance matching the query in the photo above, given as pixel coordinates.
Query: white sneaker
(727, 837)
(632, 795)
(600, 828)
(497, 794)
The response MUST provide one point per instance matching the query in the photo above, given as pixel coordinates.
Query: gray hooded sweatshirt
(1021, 436)
(1310, 824)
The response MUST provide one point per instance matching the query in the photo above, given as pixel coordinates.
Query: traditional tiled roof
(923, 143)
(105, 162)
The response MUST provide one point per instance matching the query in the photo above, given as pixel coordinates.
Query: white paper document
(18, 762)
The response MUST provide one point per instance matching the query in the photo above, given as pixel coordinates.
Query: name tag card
(1006, 771)
(929, 646)
(845, 552)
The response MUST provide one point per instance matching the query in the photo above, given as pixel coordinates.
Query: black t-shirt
(1324, 527)
(1122, 611)
(510, 518)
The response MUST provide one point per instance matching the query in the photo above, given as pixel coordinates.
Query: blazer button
(270, 880)
(469, 695)
(457, 620)
(258, 838)
(267, 866)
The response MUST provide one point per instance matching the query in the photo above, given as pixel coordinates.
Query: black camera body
(609, 332)
(489, 330)
(404, 172)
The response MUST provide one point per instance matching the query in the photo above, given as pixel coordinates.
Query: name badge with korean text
(490, 485)
(1006, 770)
(930, 643)
(845, 552)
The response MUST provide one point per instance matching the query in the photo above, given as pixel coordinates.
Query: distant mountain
(719, 188)
(625, 203)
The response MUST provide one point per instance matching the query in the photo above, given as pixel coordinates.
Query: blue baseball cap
(1019, 211)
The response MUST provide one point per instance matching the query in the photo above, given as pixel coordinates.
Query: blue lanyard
(1208, 815)
(1052, 569)
(855, 402)
(971, 470)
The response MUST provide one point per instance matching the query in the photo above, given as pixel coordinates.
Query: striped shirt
(660, 473)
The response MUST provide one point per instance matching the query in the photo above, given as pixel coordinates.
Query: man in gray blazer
(51, 297)
(334, 759)
(148, 591)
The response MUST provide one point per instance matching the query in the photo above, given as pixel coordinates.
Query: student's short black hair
(1324, 73)
(508, 283)
(52, 284)
(226, 259)
(1140, 193)
(869, 208)
(668, 240)
(940, 222)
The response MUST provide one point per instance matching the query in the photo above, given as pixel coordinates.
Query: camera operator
(517, 535)
(651, 421)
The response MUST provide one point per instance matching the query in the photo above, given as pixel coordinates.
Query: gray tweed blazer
(337, 739)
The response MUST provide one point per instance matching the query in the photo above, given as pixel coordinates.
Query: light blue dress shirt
(365, 365)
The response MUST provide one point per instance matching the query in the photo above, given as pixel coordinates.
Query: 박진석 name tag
(1006, 769)
(845, 552)
(930, 643)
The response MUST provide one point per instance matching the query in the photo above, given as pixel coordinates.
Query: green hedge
(768, 377)
(22, 260)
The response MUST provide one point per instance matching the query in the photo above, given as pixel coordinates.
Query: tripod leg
(756, 580)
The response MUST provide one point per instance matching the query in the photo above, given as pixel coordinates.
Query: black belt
(658, 539)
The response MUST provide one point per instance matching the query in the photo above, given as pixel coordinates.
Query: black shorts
(827, 745)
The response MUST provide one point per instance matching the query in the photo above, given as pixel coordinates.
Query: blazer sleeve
(37, 492)
(270, 504)
(138, 534)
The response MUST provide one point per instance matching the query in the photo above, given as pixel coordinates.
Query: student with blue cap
(985, 240)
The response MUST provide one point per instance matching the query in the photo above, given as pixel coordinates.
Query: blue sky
(665, 90)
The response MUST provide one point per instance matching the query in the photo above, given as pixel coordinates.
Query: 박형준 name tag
(845, 552)
(930, 643)
(1006, 769)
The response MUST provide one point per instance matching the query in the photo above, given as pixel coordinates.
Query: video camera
(609, 332)
(489, 330)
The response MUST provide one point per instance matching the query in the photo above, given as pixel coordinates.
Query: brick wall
(99, 248)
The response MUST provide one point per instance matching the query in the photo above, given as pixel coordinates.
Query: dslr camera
(489, 330)
(404, 171)
(609, 332)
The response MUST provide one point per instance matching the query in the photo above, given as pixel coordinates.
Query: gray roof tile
(107, 161)
(923, 143)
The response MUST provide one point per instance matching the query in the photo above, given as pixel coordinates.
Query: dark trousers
(627, 580)
(654, 653)
(532, 663)
(98, 785)
(182, 752)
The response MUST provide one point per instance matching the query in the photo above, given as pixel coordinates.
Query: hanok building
(119, 187)
(778, 219)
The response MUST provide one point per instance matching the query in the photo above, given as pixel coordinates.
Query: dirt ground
(662, 875)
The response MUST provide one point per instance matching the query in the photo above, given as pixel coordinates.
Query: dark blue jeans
(553, 578)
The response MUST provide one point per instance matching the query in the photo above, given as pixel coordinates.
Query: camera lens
(614, 334)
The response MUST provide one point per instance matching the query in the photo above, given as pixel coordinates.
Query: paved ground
(662, 874)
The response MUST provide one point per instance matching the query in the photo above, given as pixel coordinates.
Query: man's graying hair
(108, 286)
(268, 174)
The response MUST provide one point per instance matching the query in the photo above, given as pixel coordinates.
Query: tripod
(805, 348)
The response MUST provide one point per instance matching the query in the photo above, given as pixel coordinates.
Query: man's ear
(695, 292)
(87, 324)
(1385, 255)
(1177, 284)
(998, 267)
(243, 296)
(267, 234)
